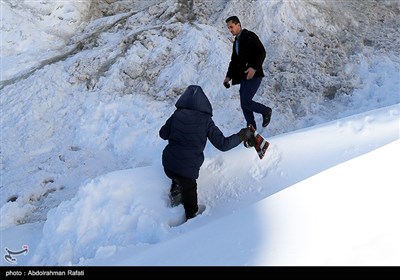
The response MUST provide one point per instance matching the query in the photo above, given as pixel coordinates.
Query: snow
(84, 95)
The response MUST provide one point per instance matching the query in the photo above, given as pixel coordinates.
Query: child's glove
(245, 134)
(251, 142)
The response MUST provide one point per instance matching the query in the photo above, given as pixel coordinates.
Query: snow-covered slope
(320, 197)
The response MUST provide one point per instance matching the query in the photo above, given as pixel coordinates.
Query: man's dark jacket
(251, 54)
(187, 131)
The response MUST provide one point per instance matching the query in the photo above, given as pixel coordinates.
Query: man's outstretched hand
(226, 82)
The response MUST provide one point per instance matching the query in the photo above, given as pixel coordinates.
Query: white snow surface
(86, 85)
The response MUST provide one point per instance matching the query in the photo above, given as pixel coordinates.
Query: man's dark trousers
(248, 89)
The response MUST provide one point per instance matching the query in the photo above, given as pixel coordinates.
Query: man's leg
(248, 89)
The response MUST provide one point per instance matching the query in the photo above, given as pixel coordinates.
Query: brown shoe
(267, 117)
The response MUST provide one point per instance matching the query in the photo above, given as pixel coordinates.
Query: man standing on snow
(245, 68)
(187, 131)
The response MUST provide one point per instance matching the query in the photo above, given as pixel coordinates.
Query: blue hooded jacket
(187, 131)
